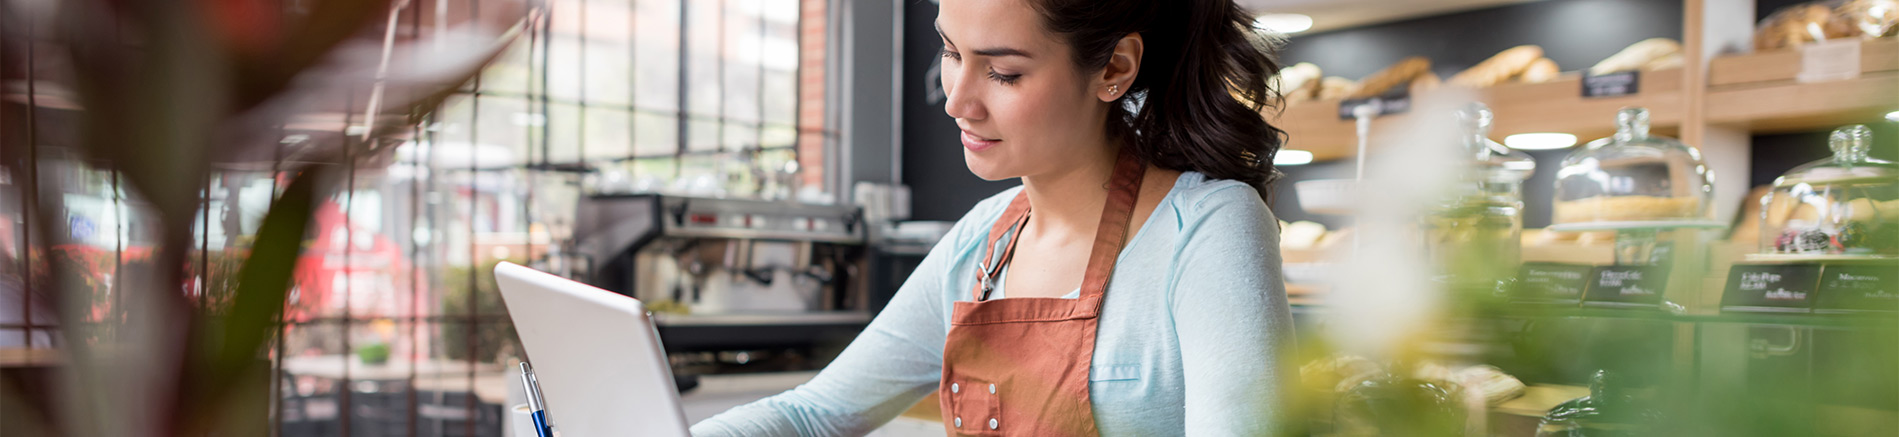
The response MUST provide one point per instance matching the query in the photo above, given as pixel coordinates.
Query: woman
(1131, 285)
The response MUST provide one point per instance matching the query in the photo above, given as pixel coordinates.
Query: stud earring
(1114, 89)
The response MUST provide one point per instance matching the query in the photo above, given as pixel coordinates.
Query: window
(394, 326)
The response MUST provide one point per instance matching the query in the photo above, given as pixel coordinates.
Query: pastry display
(1298, 83)
(1499, 68)
(1800, 24)
(1844, 205)
(1871, 18)
(1543, 70)
(1401, 73)
(1633, 177)
(1335, 88)
(1626, 208)
(1490, 382)
(1648, 54)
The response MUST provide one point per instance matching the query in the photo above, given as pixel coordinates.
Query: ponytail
(1195, 105)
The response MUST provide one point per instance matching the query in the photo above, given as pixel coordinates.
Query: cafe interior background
(327, 184)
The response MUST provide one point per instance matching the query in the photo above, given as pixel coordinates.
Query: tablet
(596, 354)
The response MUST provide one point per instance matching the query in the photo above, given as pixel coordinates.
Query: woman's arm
(896, 360)
(1229, 308)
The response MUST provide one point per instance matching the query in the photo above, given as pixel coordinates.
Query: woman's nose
(963, 98)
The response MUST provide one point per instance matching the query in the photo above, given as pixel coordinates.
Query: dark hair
(1203, 80)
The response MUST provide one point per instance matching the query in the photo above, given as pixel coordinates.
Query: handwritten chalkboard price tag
(1625, 83)
(1627, 286)
(1859, 288)
(1552, 283)
(1771, 288)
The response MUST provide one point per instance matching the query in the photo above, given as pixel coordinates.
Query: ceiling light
(1292, 157)
(1894, 116)
(1284, 23)
(1539, 141)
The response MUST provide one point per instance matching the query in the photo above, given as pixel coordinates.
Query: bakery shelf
(1880, 55)
(1787, 106)
(1554, 106)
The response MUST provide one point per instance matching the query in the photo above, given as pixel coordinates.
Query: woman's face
(1023, 107)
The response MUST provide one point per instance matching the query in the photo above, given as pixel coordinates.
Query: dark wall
(1574, 33)
(941, 186)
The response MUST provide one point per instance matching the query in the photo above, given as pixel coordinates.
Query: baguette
(1543, 70)
(1638, 56)
(1500, 68)
(1391, 77)
(1334, 88)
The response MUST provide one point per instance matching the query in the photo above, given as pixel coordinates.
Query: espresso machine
(734, 285)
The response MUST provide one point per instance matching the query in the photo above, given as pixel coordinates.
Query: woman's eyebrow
(994, 52)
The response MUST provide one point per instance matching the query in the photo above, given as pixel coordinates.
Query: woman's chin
(984, 167)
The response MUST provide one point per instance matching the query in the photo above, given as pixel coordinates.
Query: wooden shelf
(1753, 92)
(1758, 92)
(1878, 55)
(1555, 106)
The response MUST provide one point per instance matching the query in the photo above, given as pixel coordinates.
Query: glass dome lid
(1844, 206)
(1850, 163)
(1633, 179)
(1494, 161)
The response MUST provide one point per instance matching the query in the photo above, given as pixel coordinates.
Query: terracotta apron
(1019, 366)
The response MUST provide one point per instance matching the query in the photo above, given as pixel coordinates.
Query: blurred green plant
(165, 92)
(374, 354)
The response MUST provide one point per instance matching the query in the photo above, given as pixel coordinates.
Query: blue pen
(535, 404)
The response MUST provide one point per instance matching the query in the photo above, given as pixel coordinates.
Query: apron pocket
(975, 407)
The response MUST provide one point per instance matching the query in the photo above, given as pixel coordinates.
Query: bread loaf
(1543, 70)
(1298, 83)
(1334, 88)
(1499, 68)
(1799, 24)
(1638, 56)
(1871, 18)
(1391, 77)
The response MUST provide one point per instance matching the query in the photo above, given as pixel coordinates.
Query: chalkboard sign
(1626, 83)
(1771, 288)
(1622, 286)
(1395, 102)
(1552, 283)
(1859, 288)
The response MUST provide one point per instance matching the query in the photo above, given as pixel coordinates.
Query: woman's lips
(975, 143)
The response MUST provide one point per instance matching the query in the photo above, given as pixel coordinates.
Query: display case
(1480, 221)
(1633, 177)
(1846, 206)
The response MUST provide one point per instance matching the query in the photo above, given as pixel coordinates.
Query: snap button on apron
(984, 344)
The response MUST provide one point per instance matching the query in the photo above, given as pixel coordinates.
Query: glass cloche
(1844, 205)
(1633, 178)
(1475, 231)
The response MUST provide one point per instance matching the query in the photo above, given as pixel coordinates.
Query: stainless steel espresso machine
(734, 285)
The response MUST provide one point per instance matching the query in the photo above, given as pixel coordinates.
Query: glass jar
(1474, 234)
(1610, 410)
(1633, 177)
(1844, 205)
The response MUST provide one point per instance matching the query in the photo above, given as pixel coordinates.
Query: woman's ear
(1123, 65)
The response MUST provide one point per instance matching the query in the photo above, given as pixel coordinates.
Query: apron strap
(1110, 236)
(1003, 233)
